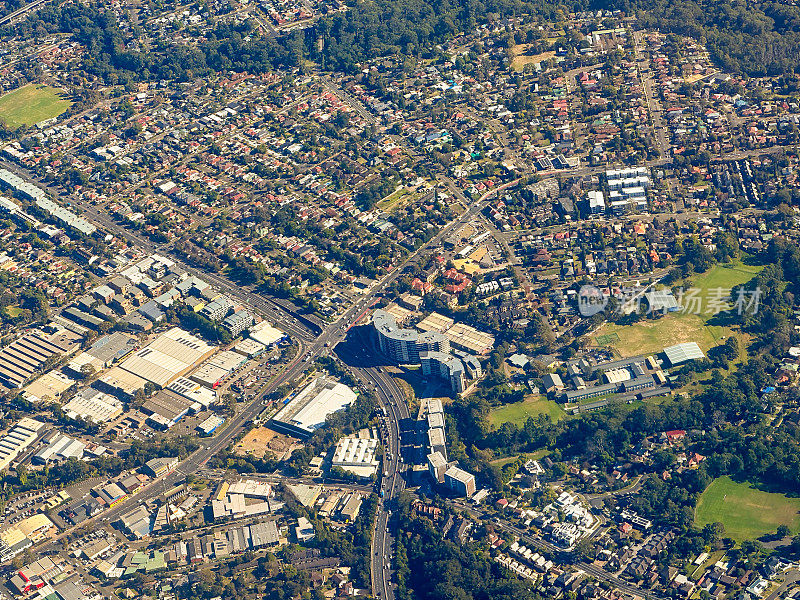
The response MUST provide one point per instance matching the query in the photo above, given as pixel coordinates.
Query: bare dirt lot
(262, 440)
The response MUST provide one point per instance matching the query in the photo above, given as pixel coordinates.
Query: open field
(521, 58)
(396, 199)
(519, 412)
(32, 104)
(725, 276)
(689, 325)
(746, 512)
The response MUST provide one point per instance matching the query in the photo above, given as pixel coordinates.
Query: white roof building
(681, 353)
(307, 411)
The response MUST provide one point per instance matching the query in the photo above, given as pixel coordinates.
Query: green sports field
(519, 412)
(746, 512)
(32, 104)
(652, 335)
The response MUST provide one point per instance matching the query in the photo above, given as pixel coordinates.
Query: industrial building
(210, 425)
(249, 348)
(166, 408)
(104, 352)
(24, 358)
(212, 372)
(16, 441)
(245, 498)
(266, 334)
(170, 355)
(59, 448)
(120, 382)
(356, 454)
(199, 395)
(93, 405)
(307, 411)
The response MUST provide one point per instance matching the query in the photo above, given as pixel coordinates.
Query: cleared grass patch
(746, 512)
(32, 104)
(521, 58)
(395, 200)
(519, 412)
(538, 455)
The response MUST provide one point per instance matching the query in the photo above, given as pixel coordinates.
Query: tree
(22, 474)
(783, 531)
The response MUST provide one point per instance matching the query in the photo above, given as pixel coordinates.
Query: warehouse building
(210, 425)
(249, 348)
(59, 448)
(209, 375)
(165, 409)
(104, 352)
(266, 334)
(93, 405)
(307, 411)
(356, 454)
(24, 358)
(170, 355)
(120, 382)
(199, 395)
(16, 441)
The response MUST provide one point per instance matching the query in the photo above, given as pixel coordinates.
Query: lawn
(691, 325)
(32, 104)
(746, 512)
(519, 412)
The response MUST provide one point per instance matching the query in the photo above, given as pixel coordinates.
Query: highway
(22, 11)
(392, 400)
(359, 357)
